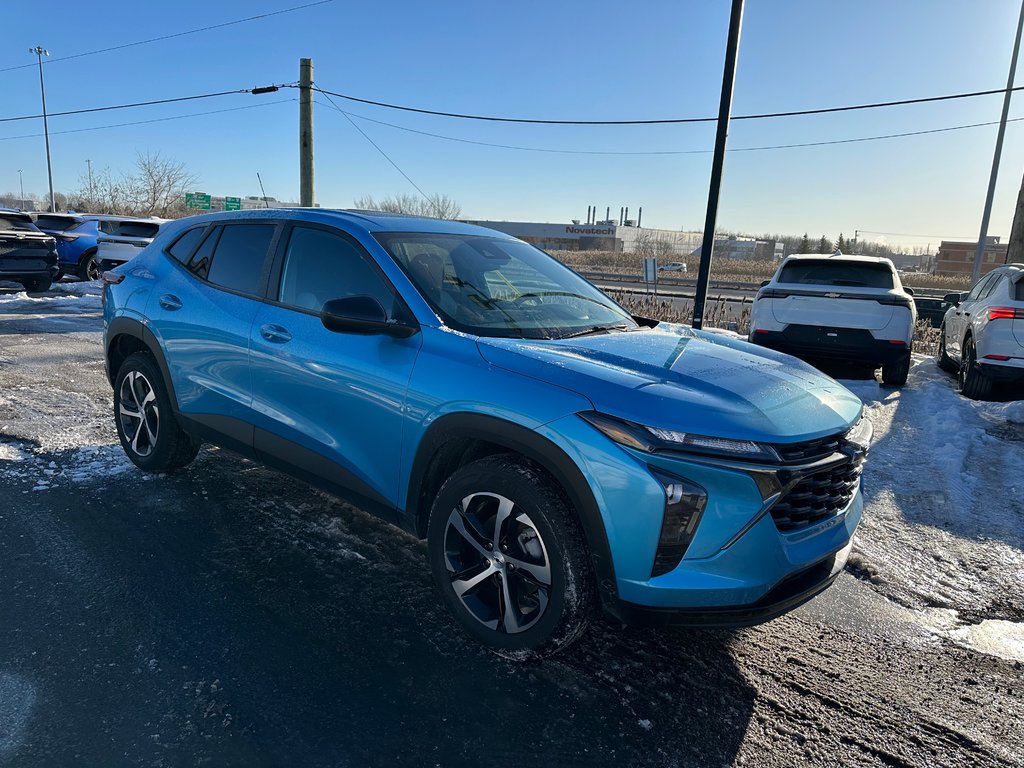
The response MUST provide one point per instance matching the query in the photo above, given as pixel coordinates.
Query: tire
(88, 269)
(151, 435)
(537, 564)
(944, 361)
(973, 383)
(895, 374)
(37, 285)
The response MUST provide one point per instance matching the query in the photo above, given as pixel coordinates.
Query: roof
(839, 257)
(369, 221)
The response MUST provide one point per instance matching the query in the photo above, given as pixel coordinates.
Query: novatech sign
(573, 230)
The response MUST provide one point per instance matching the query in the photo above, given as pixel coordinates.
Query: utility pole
(21, 183)
(306, 133)
(980, 251)
(1015, 248)
(39, 51)
(717, 164)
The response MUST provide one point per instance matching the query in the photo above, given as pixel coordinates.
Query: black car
(932, 310)
(27, 254)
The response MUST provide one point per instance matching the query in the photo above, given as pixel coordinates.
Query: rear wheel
(944, 361)
(146, 425)
(509, 558)
(973, 383)
(88, 269)
(895, 374)
(37, 285)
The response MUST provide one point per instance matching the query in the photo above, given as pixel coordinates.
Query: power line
(138, 104)
(675, 120)
(385, 154)
(669, 151)
(146, 122)
(174, 35)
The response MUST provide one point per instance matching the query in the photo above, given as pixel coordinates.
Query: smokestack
(639, 215)
(588, 214)
(608, 213)
(593, 216)
(621, 210)
(626, 217)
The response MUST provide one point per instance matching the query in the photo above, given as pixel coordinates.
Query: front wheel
(973, 383)
(509, 558)
(146, 425)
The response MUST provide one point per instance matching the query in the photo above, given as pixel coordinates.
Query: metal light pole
(39, 51)
(21, 183)
(717, 163)
(980, 251)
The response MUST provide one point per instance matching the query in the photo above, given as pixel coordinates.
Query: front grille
(809, 450)
(818, 496)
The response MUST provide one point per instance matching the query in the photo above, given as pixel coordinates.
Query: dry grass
(740, 271)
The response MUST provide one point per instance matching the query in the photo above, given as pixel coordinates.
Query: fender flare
(528, 443)
(127, 326)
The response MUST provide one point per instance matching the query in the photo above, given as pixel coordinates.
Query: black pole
(724, 110)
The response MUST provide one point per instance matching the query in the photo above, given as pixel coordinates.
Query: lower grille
(818, 496)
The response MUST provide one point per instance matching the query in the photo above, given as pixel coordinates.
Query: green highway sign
(232, 203)
(198, 200)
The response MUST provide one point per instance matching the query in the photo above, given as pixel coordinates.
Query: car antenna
(265, 203)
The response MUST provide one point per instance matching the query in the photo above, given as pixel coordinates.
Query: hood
(675, 378)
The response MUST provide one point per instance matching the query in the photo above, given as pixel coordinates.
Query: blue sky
(586, 60)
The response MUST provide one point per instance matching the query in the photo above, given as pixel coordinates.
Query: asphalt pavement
(230, 615)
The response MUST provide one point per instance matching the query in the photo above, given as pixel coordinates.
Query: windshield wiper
(597, 329)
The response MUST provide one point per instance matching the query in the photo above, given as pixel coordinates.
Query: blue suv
(556, 453)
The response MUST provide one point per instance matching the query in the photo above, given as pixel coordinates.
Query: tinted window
(836, 272)
(56, 223)
(320, 266)
(991, 286)
(1018, 290)
(7, 221)
(238, 260)
(980, 286)
(200, 263)
(129, 228)
(187, 243)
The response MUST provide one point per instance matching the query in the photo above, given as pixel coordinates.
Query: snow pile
(63, 297)
(944, 498)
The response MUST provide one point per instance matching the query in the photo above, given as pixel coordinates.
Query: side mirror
(363, 315)
(764, 283)
(952, 298)
(908, 290)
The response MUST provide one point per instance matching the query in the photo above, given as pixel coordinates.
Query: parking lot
(229, 615)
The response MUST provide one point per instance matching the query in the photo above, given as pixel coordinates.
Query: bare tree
(157, 188)
(437, 206)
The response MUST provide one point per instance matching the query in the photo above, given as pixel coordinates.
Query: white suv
(983, 332)
(838, 307)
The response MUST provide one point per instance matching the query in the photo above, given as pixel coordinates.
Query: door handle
(170, 302)
(275, 333)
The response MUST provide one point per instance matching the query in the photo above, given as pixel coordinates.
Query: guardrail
(720, 285)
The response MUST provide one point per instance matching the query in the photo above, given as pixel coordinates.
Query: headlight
(860, 434)
(651, 439)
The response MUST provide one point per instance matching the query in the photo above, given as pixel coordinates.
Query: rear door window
(186, 244)
(239, 257)
(981, 285)
(837, 272)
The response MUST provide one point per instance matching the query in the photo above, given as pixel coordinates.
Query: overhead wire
(173, 35)
(665, 121)
(146, 122)
(666, 151)
(385, 154)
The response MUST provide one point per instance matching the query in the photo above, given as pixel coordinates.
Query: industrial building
(599, 236)
(956, 259)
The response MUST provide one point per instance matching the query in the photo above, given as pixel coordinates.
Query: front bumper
(818, 342)
(792, 592)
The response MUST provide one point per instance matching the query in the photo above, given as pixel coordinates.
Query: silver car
(121, 240)
(982, 334)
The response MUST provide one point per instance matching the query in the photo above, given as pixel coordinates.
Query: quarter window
(990, 287)
(238, 259)
(184, 245)
(977, 289)
(320, 266)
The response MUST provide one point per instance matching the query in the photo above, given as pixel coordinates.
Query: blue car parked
(557, 454)
(76, 235)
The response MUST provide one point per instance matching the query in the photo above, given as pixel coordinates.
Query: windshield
(836, 272)
(495, 287)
